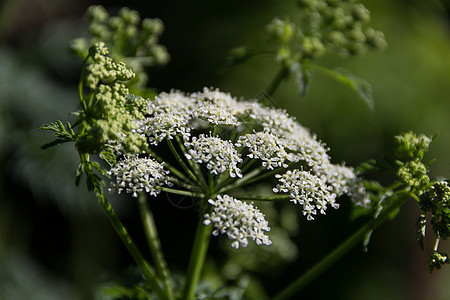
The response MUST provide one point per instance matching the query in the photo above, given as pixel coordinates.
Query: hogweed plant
(215, 148)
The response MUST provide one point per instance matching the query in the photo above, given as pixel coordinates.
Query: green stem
(290, 291)
(246, 180)
(180, 192)
(197, 260)
(131, 247)
(181, 162)
(281, 75)
(194, 165)
(171, 168)
(80, 84)
(436, 245)
(154, 244)
(263, 198)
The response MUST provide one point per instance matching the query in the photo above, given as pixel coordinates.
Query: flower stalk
(143, 265)
(198, 256)
(154, 244)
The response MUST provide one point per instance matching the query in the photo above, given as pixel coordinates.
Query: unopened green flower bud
(375, 39)
(411, 146)
(154, 26)
(312, 47)
(131, 31)
(337, 39)
(414, 173)
(97, 13)
(281, 31)
(99, 30)
(338, 18)
(129, 16)
(116, 23)
(360, 13)
(357, 48)
(356, 34)
(160, 54)
(79, 46)
(312, 4)
(333, 3)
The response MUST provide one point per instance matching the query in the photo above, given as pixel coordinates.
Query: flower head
(238, 220)
(134, 174)
(307, 190)
(219, 155)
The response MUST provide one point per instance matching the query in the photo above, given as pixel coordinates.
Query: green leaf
(238, 56)
(367, 166)
(359, 85)
(109, 157)
(60, 130)
(78, 174)
(54, 143)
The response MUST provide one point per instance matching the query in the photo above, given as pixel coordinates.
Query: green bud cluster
(337, 25)
(414, 173)
(107, 112)
(436, 200)
(436, 260)
(103, 69)
(129, 38)
(433, 197)
(409, 151)
(412, 145)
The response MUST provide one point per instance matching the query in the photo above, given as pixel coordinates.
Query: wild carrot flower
(224, 142)
(134, 175)
(238, 220)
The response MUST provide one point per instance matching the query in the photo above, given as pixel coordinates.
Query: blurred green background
(55, 242)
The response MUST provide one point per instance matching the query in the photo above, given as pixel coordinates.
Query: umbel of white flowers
(225, 142)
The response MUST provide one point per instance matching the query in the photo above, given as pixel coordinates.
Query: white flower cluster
(219, 155)
(216, 130)
(268, 147)
(308, 190)
(238, 220)
(134, 174)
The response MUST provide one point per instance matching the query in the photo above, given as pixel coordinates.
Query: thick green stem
(290, 291)
(197, 260)
(131, 247)
(154, 244)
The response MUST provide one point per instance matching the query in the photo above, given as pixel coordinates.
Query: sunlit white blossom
(238, 220)
(219, 155)
(267, 147)
(162, 126)
(263, 134)
(134, 175)
(307, 190)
